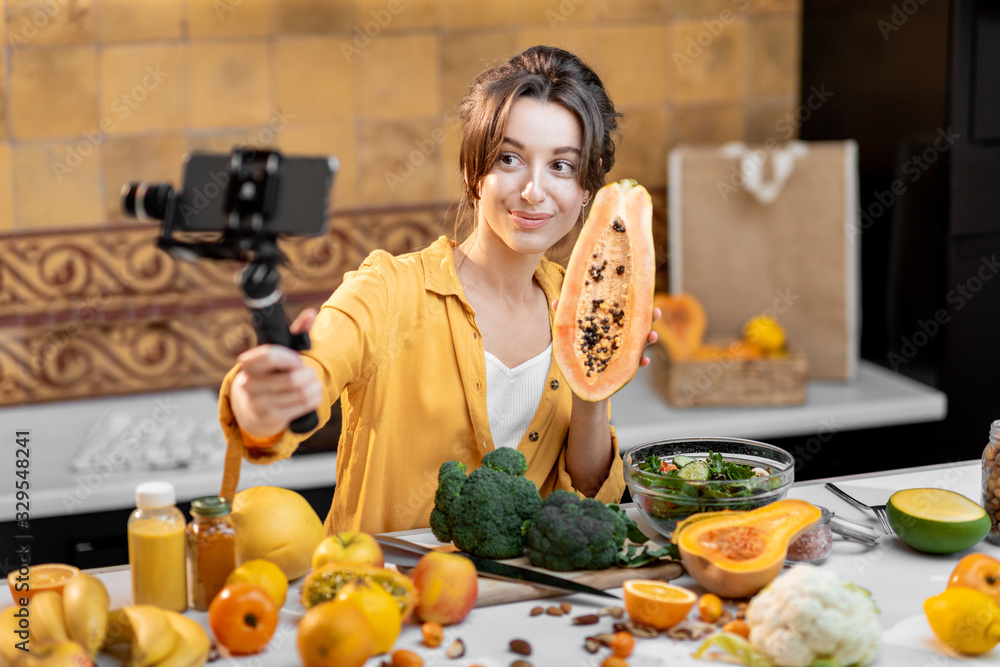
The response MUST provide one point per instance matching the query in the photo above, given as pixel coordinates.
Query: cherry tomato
(243, 618)
(622, 644)
(667, 467)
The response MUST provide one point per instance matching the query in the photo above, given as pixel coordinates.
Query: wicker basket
(729, 380)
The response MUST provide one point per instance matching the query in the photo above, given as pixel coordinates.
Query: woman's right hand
(274, 386)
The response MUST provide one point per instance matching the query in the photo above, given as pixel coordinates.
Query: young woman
(446, 353)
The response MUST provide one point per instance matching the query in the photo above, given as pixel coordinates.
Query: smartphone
(301, 200)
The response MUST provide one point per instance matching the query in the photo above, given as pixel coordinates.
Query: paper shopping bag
(772, 230)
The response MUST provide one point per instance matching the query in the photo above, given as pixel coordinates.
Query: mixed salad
(684, 477)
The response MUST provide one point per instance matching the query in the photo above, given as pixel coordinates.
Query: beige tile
(399, 77)
(582, 42)
(452, 186)
(128, 20)
(772, 118)
(53, 92)
(634, 63)
(466, 55)
(709, 123)
(320, 16)
(774, 46)
(57, 184)
(228, 18)
(709, 9)
(399, 161)
(314, 81)
(143, 87)
(6, 188)
(761, 6)
(337, 139)
(219, 141)
(229, 84)
(390, 15)
(452, 14)
(557, 13)
(149, 157)
(650, 10)
(641, 152)
(709, 63)
(46, 23)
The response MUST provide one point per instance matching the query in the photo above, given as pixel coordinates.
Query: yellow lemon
(379, 607)
(265, 574)
(764, 332)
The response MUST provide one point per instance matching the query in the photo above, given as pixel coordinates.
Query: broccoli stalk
(484, 512)
(570, 533)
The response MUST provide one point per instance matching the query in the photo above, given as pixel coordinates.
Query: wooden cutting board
(495, 591)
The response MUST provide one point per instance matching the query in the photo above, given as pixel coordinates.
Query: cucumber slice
(680, 460)
(696, 470)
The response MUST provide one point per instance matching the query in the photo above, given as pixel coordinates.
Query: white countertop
(876, 397)
(899, 578)
(60, 431)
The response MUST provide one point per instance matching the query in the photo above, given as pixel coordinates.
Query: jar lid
(149, 495)
(210, 506)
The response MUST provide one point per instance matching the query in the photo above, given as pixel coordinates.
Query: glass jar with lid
(991, 482)
(156, 548)
(211, 549)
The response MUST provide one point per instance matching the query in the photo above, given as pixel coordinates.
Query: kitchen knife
(401, 552)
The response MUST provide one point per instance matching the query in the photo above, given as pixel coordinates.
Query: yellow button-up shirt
(398, 342)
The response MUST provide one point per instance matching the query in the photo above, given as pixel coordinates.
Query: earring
(586, 200)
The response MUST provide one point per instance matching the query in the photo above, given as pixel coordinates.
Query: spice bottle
(156, 548)
(211, 549)
(991, 482)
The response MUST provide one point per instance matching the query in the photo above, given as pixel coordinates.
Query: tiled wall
(99, 92)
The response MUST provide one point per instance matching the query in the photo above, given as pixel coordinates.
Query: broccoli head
(484, 512)
(570, 533)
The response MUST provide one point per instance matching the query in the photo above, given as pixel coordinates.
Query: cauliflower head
(808, 615)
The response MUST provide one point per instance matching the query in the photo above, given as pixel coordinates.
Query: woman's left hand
(650, 339)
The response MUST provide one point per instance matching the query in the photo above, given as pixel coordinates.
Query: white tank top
(512, 396)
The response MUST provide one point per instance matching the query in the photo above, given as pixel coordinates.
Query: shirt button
(533, 436)
(554, 384)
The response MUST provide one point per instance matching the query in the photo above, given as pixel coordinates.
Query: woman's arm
(588, 447)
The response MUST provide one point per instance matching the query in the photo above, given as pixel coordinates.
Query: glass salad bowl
(707, 479)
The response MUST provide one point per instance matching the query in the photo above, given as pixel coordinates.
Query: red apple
(447, 586)
(348, 547)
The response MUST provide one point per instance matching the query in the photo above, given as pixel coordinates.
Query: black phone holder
(251, 197)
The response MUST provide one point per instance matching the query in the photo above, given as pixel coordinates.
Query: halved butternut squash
(735, 554)
(681, 325)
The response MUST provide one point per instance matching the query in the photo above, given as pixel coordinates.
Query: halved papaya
(681, 325)
(606, 303)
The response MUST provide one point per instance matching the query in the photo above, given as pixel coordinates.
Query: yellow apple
(348, 547)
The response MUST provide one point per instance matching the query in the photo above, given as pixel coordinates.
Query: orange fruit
(335, 634)
(265, 574)
(709, 607)
(656, 603)
(378, 606)
(45, 577)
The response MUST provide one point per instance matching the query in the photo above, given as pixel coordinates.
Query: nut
(724, 617)
(537, 611)
(566, 607)
(586, 619)
(604, 639)
(520, 646)
(591, 644)
(554, 611)
(691, 630)
(614, 612)
(456, 650)
(520, 663)
(637, 629)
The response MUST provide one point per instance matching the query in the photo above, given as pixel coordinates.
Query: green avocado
(936, 520)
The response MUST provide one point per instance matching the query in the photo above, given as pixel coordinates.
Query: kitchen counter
(876, 397)
(898, 578)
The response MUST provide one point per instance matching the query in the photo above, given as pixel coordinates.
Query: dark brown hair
(548, 74)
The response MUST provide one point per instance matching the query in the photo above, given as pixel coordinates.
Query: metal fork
(878, 510)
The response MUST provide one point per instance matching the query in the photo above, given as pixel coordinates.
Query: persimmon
(243, 618)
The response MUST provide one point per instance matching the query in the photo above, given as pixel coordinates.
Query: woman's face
(531, 199)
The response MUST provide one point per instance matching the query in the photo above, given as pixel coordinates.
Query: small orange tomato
(433, 634)
(737, 628)
(404, 658)
(709, 607)
(622, 644)
(243, 618)
(614, 661)
(980, 572)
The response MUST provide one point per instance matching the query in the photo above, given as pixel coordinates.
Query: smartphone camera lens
(146, 201)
